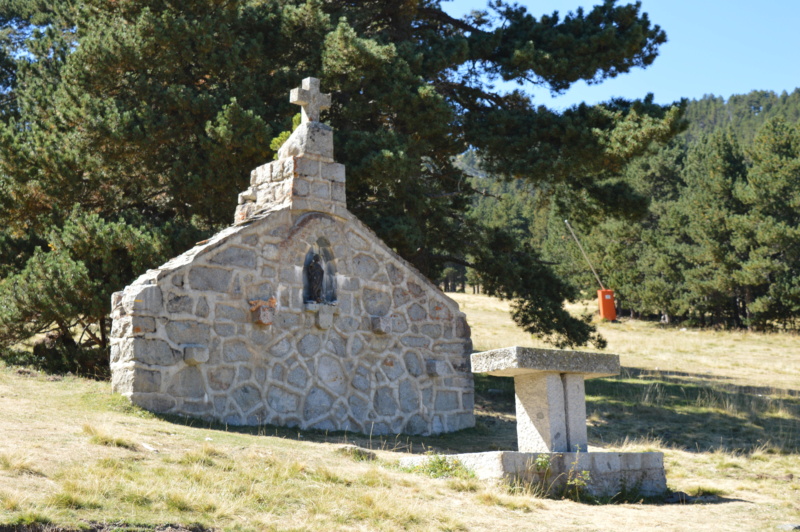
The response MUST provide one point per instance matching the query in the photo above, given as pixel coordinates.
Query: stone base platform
(610, 473)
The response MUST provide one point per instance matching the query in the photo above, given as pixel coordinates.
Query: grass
(17, 465)
(729, 427)
(101, 438)
(441, 466)
(761, 360)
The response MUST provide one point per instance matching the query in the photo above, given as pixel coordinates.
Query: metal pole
(584, 255)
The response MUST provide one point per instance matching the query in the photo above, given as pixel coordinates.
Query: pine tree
(152, 114)
(67, 286)
(714, 168)
(768, 233)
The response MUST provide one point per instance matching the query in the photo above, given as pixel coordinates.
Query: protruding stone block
(381, 324)
(325, 316)
(263, 312)
(247, 195)
(195, 354)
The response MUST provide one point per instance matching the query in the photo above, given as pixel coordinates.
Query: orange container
(607, 309)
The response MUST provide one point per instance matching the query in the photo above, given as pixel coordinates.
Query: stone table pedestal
(549, 388)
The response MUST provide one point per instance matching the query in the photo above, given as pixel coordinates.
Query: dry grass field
(723, 407)
(751, 359)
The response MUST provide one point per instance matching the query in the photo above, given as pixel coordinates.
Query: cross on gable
(310, 99)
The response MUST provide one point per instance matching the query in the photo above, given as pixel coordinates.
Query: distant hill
(743, 113)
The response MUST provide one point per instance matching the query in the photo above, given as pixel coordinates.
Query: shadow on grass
(478, 438)
(678, 411)
(687, 412)
(718, 381)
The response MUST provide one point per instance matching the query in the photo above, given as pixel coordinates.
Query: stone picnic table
(551, 422)
(549, 390)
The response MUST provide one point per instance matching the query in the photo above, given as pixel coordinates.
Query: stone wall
(223, 332)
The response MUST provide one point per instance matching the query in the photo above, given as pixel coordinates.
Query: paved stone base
(610, 473)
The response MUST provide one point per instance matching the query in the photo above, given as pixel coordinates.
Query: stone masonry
(228, 331)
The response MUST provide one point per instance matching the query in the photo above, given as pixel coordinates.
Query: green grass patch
(101, 438)
(31, 519)
(17, 465)
(441, 466)
(465, 484)
(510, 502)
(204, 456)
(705, 491)
(356, 453)
(70, 501)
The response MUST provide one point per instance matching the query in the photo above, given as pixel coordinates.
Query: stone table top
(512, 361)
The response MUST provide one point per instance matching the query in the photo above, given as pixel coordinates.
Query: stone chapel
(297, 315)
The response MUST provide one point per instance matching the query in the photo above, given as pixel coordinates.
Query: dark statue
(315, 274)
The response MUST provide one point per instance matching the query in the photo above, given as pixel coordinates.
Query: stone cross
(310, 99)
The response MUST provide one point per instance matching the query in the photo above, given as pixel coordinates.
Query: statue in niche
(319, 274)
(316, 276)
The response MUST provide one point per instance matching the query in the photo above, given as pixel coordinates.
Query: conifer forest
(127, 128)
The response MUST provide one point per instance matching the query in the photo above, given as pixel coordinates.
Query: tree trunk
(748, 300)
(103, 336)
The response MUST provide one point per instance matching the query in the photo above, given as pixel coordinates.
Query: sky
(719, 47)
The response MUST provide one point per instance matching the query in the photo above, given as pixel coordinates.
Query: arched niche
(327, 265)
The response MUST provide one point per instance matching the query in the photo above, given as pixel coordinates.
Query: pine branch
(440, 16)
